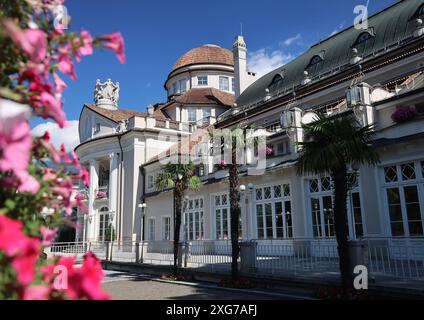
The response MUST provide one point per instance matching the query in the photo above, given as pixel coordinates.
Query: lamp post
(142, 207)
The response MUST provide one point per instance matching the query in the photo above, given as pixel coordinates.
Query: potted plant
(404, 114)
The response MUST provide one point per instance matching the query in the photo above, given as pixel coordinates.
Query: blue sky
(157, 33)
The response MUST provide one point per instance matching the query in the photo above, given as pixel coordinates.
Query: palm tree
(331, 145)
(233, 141)
(180, 177)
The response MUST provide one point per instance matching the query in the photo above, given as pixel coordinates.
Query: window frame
(271, 202)
(151, 228)
(191, 110)
(189, 219)
(166, 230)
(224, 87)
(202, 80)
(323, 193)
(400, 184)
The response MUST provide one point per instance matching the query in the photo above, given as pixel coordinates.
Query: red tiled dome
(206, 54)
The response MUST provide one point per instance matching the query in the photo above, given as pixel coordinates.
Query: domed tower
(200, 85)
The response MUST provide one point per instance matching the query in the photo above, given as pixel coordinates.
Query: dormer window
(97, 128)
(363, 37)
(314, 61)
(276, 80)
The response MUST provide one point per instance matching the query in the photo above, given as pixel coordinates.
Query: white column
(113, 188)
(94, 184)
(251, 221)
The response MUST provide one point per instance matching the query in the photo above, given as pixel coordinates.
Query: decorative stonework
(106, 95)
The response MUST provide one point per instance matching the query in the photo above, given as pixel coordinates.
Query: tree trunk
(341, 224)
(178, 195)
(235, 212)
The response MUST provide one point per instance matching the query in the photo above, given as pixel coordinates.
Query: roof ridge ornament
(106, 95)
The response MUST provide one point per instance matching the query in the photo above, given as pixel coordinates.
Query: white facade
(386, 201)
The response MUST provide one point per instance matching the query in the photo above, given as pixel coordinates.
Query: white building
(116, 143)
(385, 62)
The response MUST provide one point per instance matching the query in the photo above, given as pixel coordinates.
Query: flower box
(404, 114)
(101, 194)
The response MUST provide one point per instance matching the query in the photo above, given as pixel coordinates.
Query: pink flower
(83, 282)
(23, 250)
(48, 235)
(28, 182)
(65, 64)
(53, 108)
(32, 41)
(59, 83)
(87, 44)
(36, 293)
(11, 237)
(16, 143)
(24, 263)
(115, 42)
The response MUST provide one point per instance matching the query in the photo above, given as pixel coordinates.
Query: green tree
(234, 142)
(331, 145)
(181, 178)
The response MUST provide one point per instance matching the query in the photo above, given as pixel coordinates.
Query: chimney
(241, 75)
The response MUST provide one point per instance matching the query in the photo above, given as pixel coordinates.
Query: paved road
(124, 286)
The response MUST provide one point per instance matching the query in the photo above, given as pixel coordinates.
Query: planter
(221, 174)
(404, 114)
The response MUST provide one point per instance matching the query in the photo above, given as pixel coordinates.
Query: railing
(386, 258)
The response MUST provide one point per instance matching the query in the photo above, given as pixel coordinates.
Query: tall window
(404, 189)
(183, 85)
(193, 219)
(321, 207)
(152, 226)
(150, 181)
(103, 223)
(206, 113)
(166, 228)
(191, 115)
(233, 85)
(224, 83)
(202, 80)
(223, 218)
(274, 212)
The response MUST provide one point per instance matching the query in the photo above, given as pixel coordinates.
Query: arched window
(362, 38)
(278, 78)
(315, 60)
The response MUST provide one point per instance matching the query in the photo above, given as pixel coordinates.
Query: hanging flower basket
(404, 114)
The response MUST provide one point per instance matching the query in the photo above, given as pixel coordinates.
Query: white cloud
(291, 40)
(68, 135)
(262, 62)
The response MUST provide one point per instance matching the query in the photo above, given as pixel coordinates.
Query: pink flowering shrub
(404, 114)
(36, 59)
(221, 165)
(101, 194)
(268, 151)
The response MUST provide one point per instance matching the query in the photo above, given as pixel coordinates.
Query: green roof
(389, 28)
